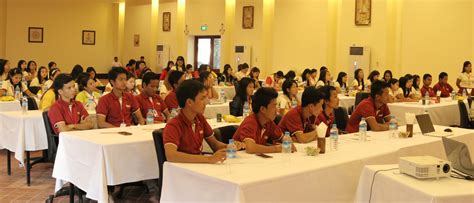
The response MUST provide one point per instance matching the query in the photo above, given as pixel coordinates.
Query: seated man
(258, 128)
(427, 79)
(443, 85)
(374, 109)
(175, 78)
(149, 99)
(300, 121)
(115, 109)
(331, 102)
(183, 135)
(67, 114)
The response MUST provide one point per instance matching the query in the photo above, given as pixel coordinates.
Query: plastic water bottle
(90, 104)
(23, 81)
(286, 143)
(24, 105)
(393, 128)
(464, 93)
(294, 103)
(222, 96)
(173, 113)
(453, 95)
(363, 130)
(231, 149)
(246, 110)
(426, 100)
(150, 117)
(334, 135)
(17, 93)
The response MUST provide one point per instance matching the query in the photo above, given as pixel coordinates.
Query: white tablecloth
(10, 106)
(94, 159)
(331, 177)
(444, 113)
(212, 110)
(229, 91)
(20, 133)
(392, 186)
(346, 101)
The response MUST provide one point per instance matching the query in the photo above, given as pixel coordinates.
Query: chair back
(51, 137)
(101, 88)
(34, 89)
(32, 105)
(341, 118)
(464, 116)
(224, 134)
(160, 154)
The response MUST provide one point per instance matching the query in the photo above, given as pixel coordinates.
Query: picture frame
(363, 12)
(35, 34)
(166, 21)
(88, 37)
(136, 40)
(248, 17)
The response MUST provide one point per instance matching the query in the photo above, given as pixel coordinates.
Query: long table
(444, 113)
(94, 159)
(330, 177)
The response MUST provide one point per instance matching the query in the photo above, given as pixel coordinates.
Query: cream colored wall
(168, 38)
(137, 21)
(201, 12)
(436, 36)
(300, 34)
(3, 23)
(63, 23)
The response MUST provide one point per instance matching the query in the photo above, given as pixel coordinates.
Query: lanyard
(122, 107)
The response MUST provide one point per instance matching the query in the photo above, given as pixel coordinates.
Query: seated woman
(31, 71)
(206, 78)
(244, 94)
(406, 84)
(4, 69)
(395, 92)
(324, 79)
(93, 75)
(373, 76)
(228, 76)
(416, 86)
(254, 73)
(131, 85)
(275, 80)
(13, 82)
(341, 83)
(87, 93)
(358, 82)
(288, 99)
(190, 73)
(53, 73)
(41, 78)
(387, 76)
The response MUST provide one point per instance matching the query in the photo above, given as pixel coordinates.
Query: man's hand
(218, 156)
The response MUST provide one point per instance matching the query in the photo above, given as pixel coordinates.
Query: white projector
(424, 167)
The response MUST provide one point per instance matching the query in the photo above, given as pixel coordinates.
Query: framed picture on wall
(363, 12)
(88, 37)
(166, 21)
(247, 17)
(35, 34)
(136, 40)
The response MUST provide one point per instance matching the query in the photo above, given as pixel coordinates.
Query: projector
(424, 167)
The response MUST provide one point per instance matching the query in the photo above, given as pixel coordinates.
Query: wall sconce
(222, 30)
(186, 30)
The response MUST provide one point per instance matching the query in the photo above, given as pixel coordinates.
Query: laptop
(458, 154)
(427, 128)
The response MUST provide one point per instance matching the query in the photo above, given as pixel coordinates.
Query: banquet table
(329, 177)
(94, 159)
(444, 113)
(10, 106)
(389, 185)
(229, 91)
(346, 101)
(213, 109)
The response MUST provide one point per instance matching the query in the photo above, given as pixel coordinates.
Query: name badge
(123, 125)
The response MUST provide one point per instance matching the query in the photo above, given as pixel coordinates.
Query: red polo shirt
(187, 135)
(366, 109)
(251, 129)
(171, 100)
(116, 114)
(154, 102)
(445, 89)
(64, 112)
(430, 91)
(326, 119)
(293, 122)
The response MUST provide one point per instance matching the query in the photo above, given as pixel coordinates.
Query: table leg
(9, 163)
(28, 168)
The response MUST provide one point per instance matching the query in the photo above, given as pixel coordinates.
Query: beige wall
(63, 23)
(3, 23)
(168, 38)
(137, 21)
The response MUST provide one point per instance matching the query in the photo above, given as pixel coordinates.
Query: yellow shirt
(84, 96)
(47, 100)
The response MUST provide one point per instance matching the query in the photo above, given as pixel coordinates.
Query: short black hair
(51, 64)
(426, 76)
(60, 81)
(377, 88)
(148, 77)
(115, 72)
(392, 81)
(311, 95)
(442, 75)
(91, 69)
(287, 84)
(189, 89)
(245, 66)
(174, 77)
(262, 97)
(76, 71)
(203, 75)
(326, 91)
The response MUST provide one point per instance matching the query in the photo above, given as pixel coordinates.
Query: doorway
(207, 50)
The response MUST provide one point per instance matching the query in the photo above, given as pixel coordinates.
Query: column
(152, 61)
(227, 42)
(267, 37)
(333, 27)
(181, 24)
(394, 35)
(121, 32)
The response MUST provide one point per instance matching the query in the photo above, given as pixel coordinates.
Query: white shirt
(8, 87)
(35, 82)
(320, 83)
(116, 64)
(283, 102)
(239, 75)
(467, 80)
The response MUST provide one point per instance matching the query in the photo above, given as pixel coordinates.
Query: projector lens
(446, 168)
